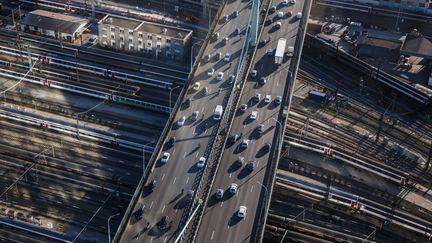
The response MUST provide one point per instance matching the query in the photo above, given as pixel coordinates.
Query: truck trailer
(280, 50)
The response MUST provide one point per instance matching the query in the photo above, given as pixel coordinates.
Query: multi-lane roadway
(220, 222)
(176, 177)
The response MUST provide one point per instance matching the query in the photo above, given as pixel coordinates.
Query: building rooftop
(123, 22)
(148, 27)
(417, 45)
(366, 40)
(54, 21)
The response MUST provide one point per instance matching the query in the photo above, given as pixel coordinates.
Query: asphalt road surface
(220, 222)
(192, 138)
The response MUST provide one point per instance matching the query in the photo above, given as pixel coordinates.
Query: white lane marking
(151, 204)
(211, 238)
(258, 164)
(175, 178)
(163, 176)
(221, 203)
(187, 180)
(244, 126)
(173, 151)
(166, 237)
(184, 156)
(163, 209)
(196, 156)
(205, 132)
(151, 239)
(251, 189)
(176, 210)
(230, 175)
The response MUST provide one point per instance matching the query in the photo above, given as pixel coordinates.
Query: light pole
(144, 165)
(192, 54)
(171, 89)
(109, 229)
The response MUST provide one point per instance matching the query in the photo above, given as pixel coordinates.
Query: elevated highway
(178, 177)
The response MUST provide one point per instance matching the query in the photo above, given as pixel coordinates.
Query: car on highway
(253, 115)
(171, 142)
(285, 2)
(242, 212)
(163, 224)
(152, 185)
(245, 143)
(215, 36)
(260, 128)
(210, 72)
(201, 162)
(289, 13)
(299, 15)
(257, 97)
(243, 107)
(218, 55)
(278, 25)
(189, 195)
(280, 14)
(250, 165)
(205, 90)
(233, 188)
(181, 121)
(219, 193)
(254, 73)
(196, 86)
(225, 18)
(225, 40)
(273, 9)
(227, 57)
(266, 147)
(139, 212)
(278, 100)
(262, 81)
(233, 138)
(219, 76)
(186, 103)
(265, 41)
(194, 115)
(237, 31)
(270, 52)
(239, 162)
(235, 13)
(267, 99)
(207, 58)
(231, 78)
(269, 21)
(165, 157)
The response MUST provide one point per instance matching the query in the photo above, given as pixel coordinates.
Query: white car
(165, 157)
(242, 212)
(181, 121)
(280, 14)
(233, 188)
(254, 73)
(219, 76)
(278, 100)
(245, 143)
(267, 99)
(299, 15)
(201, 162)
(210, 72)
(254, 115)
(227, 57)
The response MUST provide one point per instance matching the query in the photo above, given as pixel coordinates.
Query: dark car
(139, 212)
(186, 103)
(250, 166)
(239, 162)
(171, 141)
(163, 224)
(265, 41)
(152, 185)
(189, 195)
(233, 138)
(267, 147)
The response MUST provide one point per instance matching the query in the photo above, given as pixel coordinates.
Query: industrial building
(156, 40)
(56, 25)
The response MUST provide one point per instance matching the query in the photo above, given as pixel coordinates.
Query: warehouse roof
(54, 21)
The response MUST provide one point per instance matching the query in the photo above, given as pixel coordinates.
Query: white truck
(280, 50)
(217, 114)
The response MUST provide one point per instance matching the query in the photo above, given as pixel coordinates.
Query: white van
(217, 114)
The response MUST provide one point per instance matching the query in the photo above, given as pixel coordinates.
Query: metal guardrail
(286, 99)
(368, 69)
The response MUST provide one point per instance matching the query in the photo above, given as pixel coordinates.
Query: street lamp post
(109, 229)
(171, 89)
(192, 54)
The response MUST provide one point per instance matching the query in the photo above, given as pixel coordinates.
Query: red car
(289, 13)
